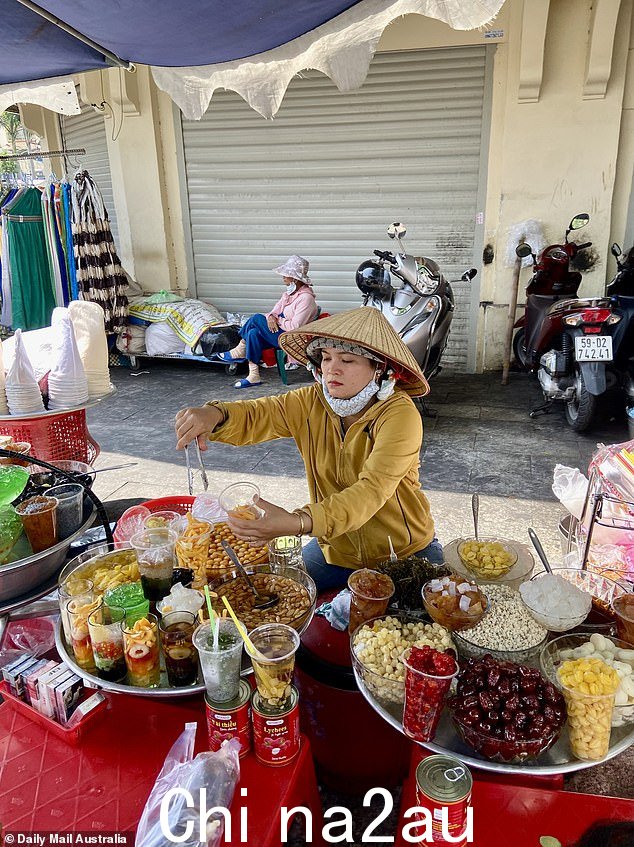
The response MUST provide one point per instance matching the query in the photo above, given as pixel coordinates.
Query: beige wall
(561, 142)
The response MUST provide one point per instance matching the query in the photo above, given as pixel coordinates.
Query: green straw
(214, 620)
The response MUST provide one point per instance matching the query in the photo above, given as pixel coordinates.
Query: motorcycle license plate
(593, 348)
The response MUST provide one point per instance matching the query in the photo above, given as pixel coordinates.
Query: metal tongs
(191, 472)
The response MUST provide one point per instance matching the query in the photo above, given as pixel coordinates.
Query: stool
(518, 810)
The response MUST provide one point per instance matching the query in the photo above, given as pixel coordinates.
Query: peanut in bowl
(296, 590)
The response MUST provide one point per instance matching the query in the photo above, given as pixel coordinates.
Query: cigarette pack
(67, 695)
(27, 673)
(14, 675)
(47, 685)
(32, 682)
(84, 708)
(13, 664)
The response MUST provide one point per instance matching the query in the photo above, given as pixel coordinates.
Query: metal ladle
(540, 550)
(263, 601)
(475, 507)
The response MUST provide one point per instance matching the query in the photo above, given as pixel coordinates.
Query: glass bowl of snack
(382, 670)
(295, 588)
(488, 558)
(507, 713)
(615, 653)
(454, 602)
(556, 602)
(105, 565)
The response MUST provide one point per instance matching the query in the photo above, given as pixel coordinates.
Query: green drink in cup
(220, 658)
(129, 597)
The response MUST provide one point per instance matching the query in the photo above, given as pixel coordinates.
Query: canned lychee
(276, 737)
(443, 782)
(231, 719)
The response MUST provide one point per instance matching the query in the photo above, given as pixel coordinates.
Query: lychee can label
(276, 737)
(230, 720)
(443, 782)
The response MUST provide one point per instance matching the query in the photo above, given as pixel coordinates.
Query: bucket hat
(295, 267)
(368, 328)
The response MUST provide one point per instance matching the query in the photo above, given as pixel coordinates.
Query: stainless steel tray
(557, 760)
(26, 575)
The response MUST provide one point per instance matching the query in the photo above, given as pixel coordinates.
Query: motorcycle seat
(536, 307)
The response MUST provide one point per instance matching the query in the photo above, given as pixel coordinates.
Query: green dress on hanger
(32, 287)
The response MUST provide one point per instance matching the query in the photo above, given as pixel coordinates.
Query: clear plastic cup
(623, 608)
(81, 589)
(181, 661)
(70, 507)
(39, 519)
(104, 626)
(130, 598)
(192, 553)
(273, 663)
(589, 723)
(142, 654)
(161, 520)
(286, 550)
(238, 500)
(221, 663)
(425, 695)
(370, 594)
(78, 610)
(155, 553)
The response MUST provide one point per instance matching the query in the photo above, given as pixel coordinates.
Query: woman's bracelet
(302, 526)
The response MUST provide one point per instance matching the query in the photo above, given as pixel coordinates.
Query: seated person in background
(296, 307)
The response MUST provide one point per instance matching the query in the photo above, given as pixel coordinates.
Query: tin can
(443, 782)
(276, 737)
(230, 720)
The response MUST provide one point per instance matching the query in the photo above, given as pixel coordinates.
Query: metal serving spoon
(263, 601)
(475, 507)
(540, 550)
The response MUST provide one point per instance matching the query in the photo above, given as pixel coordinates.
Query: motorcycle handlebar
(584, 245)
(385, 255)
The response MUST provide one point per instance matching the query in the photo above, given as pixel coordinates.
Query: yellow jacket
(363, 485)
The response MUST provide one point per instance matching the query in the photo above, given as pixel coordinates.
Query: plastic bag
(35, 636)
(219, 339)
(570, 487)
(163, 296)
(207, 508)
(217, 772)
(237, 318)
(615, 467)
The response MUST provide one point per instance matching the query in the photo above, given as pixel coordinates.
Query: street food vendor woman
(359, 435)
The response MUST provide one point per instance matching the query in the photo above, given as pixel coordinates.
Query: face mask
(353, 405)
(291, 288)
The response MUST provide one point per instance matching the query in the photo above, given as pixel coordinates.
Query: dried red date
(427, 681)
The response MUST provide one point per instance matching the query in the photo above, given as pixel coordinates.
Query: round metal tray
(47, 414)
(557, 760)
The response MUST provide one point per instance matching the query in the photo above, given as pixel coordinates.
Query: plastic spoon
(393, 556)
(540, 550)
(262, 601)
(475, 507)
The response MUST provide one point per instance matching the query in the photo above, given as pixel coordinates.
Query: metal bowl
(25, 575)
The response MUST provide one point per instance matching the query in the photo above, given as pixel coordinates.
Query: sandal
(244, 383)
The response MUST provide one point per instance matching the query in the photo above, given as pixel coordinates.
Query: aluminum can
(276, 738)
(444, 782)
(231, 719)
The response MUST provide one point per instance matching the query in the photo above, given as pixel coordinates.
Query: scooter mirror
(396, 230)
(615, 250)
(579, 221)
(468, 275)
(523, 250)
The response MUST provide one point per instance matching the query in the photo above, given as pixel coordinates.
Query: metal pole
(53, 19)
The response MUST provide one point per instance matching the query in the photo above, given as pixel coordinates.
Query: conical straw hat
(368, 328)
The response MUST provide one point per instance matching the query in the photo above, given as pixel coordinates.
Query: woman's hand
(275, 522)
(194, 423)
(272, 323)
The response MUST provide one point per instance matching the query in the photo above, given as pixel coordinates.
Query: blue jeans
(257, 337)
(334, 576)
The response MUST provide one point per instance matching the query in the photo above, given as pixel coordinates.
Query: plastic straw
(213, 617)
(252, 648)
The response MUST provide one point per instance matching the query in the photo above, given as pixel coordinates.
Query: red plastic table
(103, 784)
(518, 815)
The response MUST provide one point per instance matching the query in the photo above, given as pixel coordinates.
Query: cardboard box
(47, 684)
(32, 683)
(67, 695)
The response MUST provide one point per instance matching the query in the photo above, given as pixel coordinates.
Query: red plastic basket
(178, 503)
(71, 736)
(53, 437)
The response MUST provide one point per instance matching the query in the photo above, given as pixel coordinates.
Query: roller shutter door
(88, 130)
(330, 172)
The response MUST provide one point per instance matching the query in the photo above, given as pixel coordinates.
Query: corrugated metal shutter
(330, 172)
(88, 130)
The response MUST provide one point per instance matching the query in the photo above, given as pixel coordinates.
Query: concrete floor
(481, 440)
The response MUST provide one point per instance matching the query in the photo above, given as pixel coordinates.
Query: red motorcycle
(566, 340)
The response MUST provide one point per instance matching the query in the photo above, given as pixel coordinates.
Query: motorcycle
(569, 342)
(414, 296)
(621, 292)
(552, 278)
